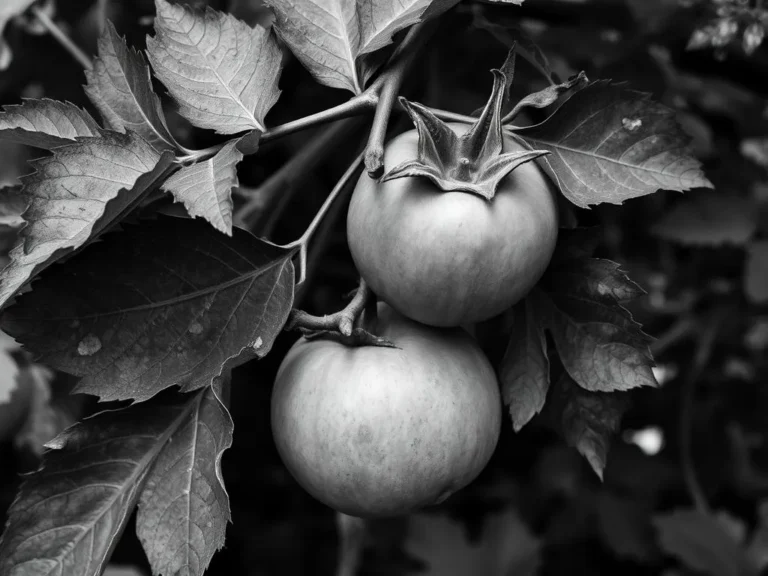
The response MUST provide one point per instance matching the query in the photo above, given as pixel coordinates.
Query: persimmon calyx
(474, 162)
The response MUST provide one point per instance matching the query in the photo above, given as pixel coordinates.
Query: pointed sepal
(474, 162)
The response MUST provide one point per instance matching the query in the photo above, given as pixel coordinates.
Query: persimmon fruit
(375, 431)
(451, 258)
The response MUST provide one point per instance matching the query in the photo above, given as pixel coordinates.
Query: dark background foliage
(702, 258)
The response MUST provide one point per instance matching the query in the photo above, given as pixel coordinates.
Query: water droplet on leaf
(631, 124)
(89, 345)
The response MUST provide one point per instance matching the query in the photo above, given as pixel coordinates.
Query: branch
(388, 87)
(355, 106)
(62, 38)
(342, 321)
(302, 242)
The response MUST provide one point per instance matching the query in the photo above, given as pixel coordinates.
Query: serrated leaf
(524, 371)
(610, 144)
(45, 123)
(68, 515)
(380, 20)
(172, 302)
(579, 302)
(701, 543)
(756, 272)
(222, 72)
(600, 356)
(709, 219)
(120, 86)
(205, 188)
(325, 36)
(596, 278)
(588, 419)
(335, 39)
(74, 195)
(184, 507)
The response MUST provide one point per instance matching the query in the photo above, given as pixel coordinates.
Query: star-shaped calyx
(474, 162)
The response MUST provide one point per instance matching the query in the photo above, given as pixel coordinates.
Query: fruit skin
(451, 258)
(376, 432)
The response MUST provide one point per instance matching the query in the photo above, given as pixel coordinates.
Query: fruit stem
(342, 321)
(387, 86)
(302, 242)
(66, 42)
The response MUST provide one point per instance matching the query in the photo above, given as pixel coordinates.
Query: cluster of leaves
(162, 302)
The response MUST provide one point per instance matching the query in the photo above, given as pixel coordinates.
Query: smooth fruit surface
(373, 431)
(451, 258)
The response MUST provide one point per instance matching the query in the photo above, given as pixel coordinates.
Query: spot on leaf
(631, 124)
(89, 345)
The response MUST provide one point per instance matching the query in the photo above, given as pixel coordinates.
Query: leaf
(74, 195)
(701, 543)
(610, 144)
(205, 188)
(120, 86)
(334, 39)
(756, 272)
(579, 301)
(172, 302)
(184, 508)
(45, 123)
(68, 514)
(547, 96)
(524, 371)
(709, 219)
(588, 419)
(380, 20)
(325, 36)
(222, 72)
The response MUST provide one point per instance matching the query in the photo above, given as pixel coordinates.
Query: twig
(259, 213)
(62, 38)
(342, 321)
(389, 86)
(355, 106)
(302, 242)
(351, 540)
(700, 360)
